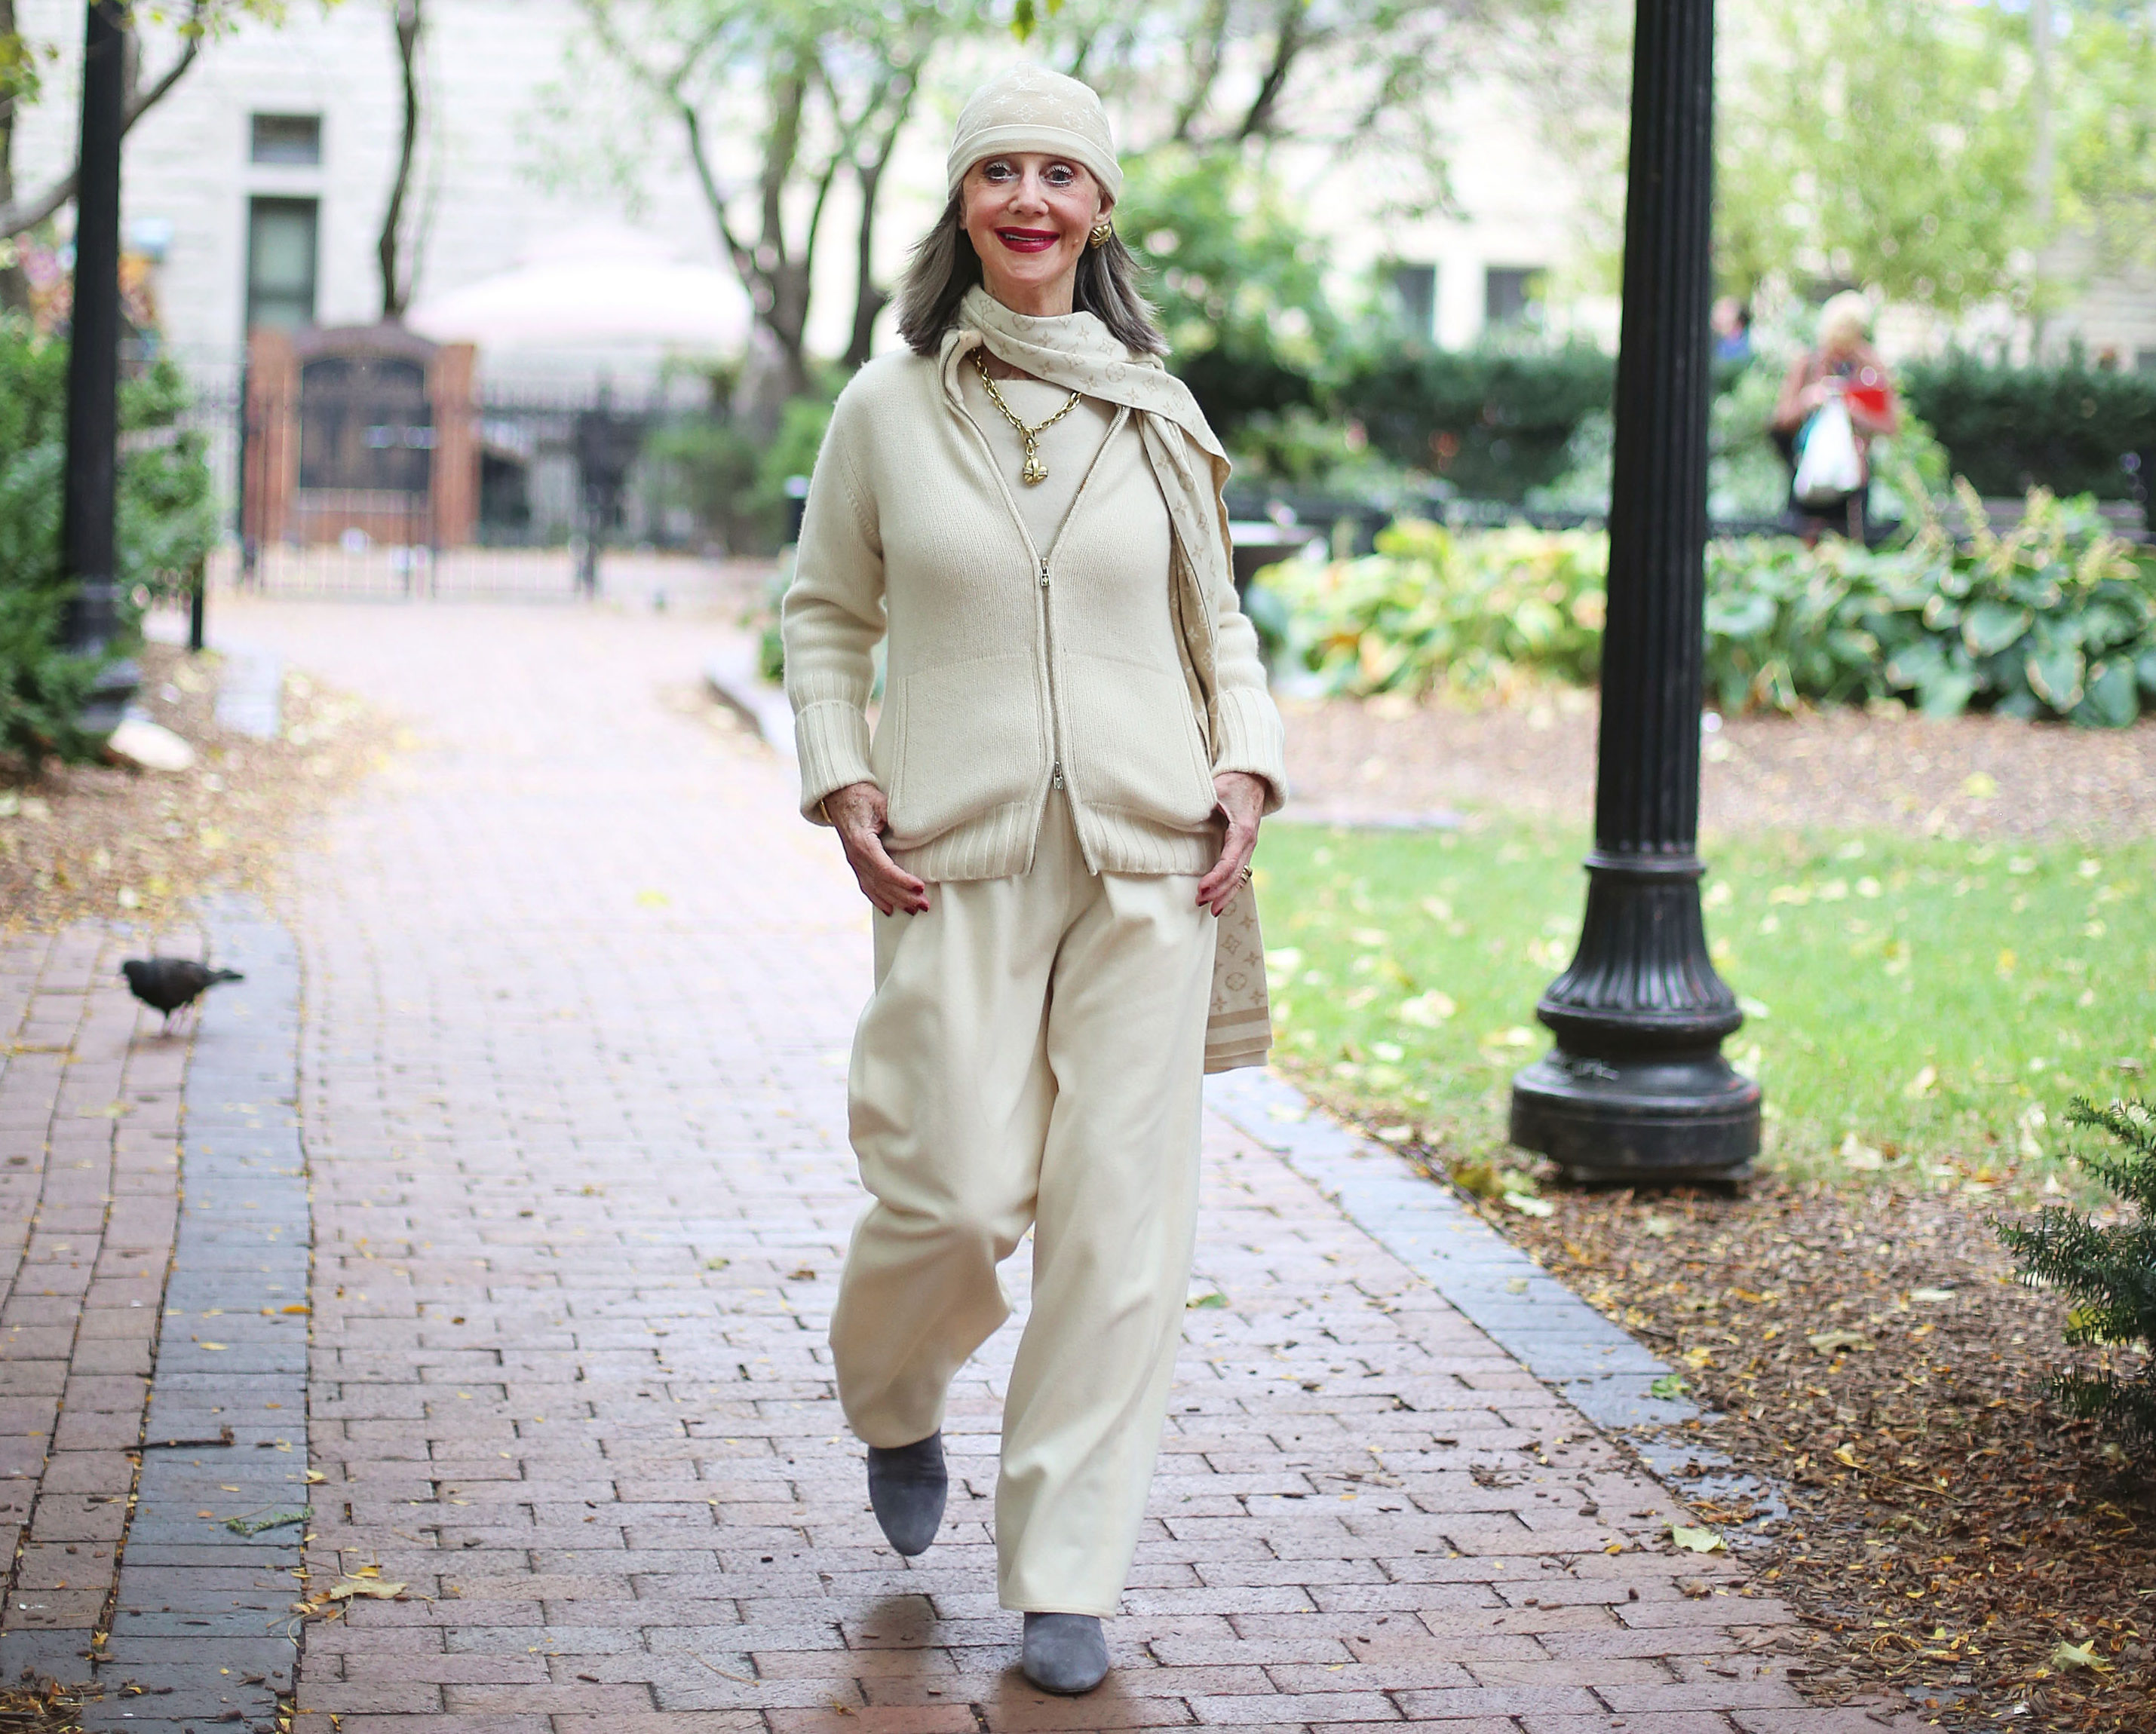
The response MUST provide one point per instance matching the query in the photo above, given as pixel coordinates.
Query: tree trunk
(869, 299)
(396, 272)
(789, 323)
(14, 285)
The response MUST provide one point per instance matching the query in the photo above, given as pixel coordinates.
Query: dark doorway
(365, 422)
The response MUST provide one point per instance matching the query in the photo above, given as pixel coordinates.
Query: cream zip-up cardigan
(1099, 661)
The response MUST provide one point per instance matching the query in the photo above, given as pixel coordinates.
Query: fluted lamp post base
(1668, 1120)
(1636, 1091)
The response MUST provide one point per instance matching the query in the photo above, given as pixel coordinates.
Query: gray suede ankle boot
(1065, 1653)
(906, 1486)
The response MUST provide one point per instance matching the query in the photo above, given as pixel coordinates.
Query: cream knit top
(1032, 633)
(1069, 448)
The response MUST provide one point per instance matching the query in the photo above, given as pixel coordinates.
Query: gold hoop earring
(1102, 233)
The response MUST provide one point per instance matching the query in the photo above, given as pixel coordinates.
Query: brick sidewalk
(579, 988)
(89, 1124)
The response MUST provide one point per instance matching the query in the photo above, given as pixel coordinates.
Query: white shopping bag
(1830, 468)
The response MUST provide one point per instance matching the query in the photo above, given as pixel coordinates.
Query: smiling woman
(1061, 792)
(1034, 226)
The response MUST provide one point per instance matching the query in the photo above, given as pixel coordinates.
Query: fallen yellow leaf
(377, 1589)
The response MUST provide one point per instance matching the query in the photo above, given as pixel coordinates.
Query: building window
(280, 262)
(1511, 294)
(293, 140)
(1414, 297)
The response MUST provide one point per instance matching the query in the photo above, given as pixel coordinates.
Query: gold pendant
(1035, 472)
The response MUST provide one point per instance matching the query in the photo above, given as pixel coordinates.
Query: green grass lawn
(1910, 1001)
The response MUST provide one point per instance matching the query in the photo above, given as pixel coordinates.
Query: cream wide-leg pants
(1033, 1055)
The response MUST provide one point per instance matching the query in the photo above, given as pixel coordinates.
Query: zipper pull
(1058, 774)
(1044, 571)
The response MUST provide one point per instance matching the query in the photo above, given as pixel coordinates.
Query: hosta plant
(1435, 608)
(2052, 617)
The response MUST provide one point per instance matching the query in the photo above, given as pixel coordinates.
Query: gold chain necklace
(1036, 471)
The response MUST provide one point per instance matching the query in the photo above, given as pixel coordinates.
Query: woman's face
(1029, 217)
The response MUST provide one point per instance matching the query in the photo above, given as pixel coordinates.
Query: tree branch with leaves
(818, 93)
(21, 84)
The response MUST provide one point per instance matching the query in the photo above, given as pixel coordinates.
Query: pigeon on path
(165, 984)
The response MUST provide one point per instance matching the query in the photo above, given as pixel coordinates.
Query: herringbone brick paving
(579, 988)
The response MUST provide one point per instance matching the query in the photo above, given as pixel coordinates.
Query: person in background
(1732, 320)
(1843, 365)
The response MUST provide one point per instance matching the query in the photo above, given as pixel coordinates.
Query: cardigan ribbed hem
(994, 844)
(1121, 840)
(1000, 843)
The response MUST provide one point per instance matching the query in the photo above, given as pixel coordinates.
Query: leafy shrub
(165, 526)
(1504, 423)
(2062, 426)
(708, 465)
(167, 513)
(2108, 1271)
(732, 483)
(1239, 284)
(1492, 421)
(2052, 619)
(1434, 608)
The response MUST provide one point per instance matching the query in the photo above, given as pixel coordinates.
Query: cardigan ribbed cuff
(1252, 738)
(832, 739)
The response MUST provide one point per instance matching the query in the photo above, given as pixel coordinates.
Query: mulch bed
(1840, 769)
(1949, 1532)
(55, 1711)
(110, 841)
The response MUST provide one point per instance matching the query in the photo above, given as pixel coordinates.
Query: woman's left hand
(1243, 802)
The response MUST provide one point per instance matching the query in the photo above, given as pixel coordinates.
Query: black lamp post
(93, 400)
(1636, 1088)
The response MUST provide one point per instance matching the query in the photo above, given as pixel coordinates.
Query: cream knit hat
(1031, 108)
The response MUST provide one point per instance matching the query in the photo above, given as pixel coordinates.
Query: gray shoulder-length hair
(944, 266)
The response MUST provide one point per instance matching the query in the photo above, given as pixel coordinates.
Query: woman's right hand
(859, 813)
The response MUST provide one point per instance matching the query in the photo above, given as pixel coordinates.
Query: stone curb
(731, 674)
(1598, 1367)
(201, 1628)
(251, 690)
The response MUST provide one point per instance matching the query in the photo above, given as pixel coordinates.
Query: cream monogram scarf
(1079, 353)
